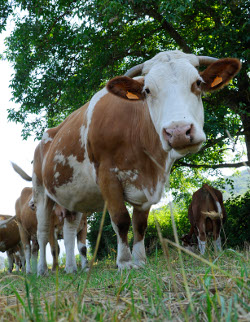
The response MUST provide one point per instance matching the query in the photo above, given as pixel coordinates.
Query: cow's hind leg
(81, 242)
(139, 222)
(43, 213)
(69, 234)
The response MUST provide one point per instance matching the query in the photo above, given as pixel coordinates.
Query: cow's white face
(172, 88)
(175, 109)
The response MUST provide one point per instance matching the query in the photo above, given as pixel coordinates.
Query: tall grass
(218, 293)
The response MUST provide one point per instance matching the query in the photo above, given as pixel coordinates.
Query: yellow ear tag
(216, 81)
(132, 96)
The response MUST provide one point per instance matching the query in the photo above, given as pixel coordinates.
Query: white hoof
(140, 263)
(43, 271)
(70, 269)
(126, 265)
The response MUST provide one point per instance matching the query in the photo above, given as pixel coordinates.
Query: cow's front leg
(201, 238)
(43, 213)
(112, 192)
(10, 261)
(81, 241)
(139, 222)
(26, 245)
(34, 255)
(54, 247)
(69, 234)
(22, 257)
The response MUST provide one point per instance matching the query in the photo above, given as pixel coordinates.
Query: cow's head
(172, 88)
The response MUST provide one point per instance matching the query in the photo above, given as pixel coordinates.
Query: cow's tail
(21, 172)
(213, 214)
(6, 221)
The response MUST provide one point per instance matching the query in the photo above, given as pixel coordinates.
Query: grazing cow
(115, 147)
(10, 242)
(27, 223)
(206, 214)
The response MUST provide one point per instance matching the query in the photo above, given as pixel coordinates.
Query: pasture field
(167, 289)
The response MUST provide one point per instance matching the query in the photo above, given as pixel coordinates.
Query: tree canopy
(63, 51)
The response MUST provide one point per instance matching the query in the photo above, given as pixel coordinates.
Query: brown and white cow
(10, 242)
(27, 223)
(105, 149)
(206, 214)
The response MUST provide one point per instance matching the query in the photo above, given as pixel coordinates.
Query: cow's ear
(127, 88)
(219, 73)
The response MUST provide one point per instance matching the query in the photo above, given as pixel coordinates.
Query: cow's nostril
(169, 133)
(189, 131)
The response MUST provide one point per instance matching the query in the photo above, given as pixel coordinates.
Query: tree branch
(213, 166)
(168, 27)
(215, 141)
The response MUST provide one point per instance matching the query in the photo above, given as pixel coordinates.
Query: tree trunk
(246, 124)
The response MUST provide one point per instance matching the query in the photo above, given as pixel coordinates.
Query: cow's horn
(206, 60)
(134, 71)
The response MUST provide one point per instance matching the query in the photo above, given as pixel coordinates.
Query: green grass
(219, 293)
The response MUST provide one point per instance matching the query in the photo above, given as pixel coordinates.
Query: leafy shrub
(237, 226)
(108, 239)
(163, 217)
(108, 243)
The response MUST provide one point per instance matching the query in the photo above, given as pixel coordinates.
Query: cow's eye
(147, 90)
(198, 82)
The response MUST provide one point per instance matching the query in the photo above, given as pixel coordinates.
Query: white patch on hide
(219, 208)
(125, 175)
(56, 175)
(82, 192)
(46, 138)
(60, 158)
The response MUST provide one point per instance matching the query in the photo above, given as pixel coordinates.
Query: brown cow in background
(27, 223)
(10, 242)
(206, 214)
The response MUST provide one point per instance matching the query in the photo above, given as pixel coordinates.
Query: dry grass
(147, 294)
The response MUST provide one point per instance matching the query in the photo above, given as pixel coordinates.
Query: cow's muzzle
(182, 136)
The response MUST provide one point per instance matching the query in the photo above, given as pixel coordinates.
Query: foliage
(5, 11)
(65, 50)
(108, 242)
(237, 225)
(238, 220)
(241, 183)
